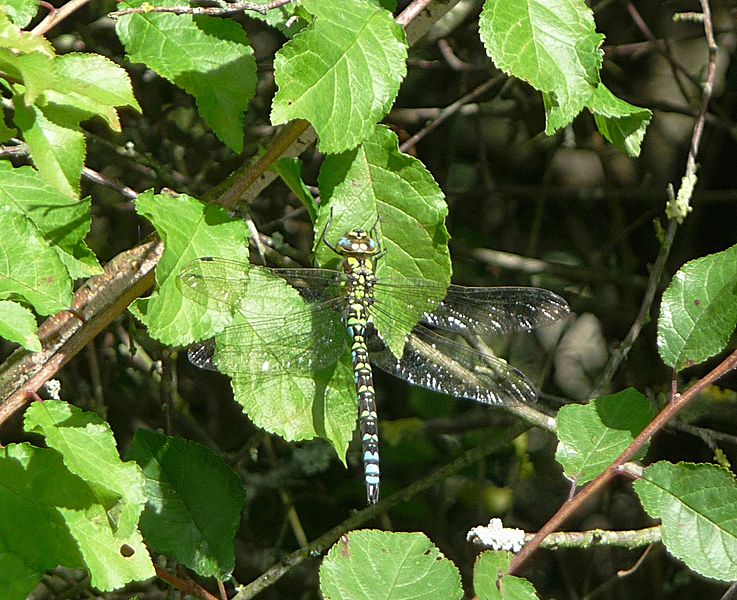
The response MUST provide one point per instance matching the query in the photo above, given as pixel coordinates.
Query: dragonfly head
(358, 241)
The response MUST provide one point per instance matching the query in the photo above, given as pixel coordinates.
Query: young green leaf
(551, 45)
(93, 85)
(88, 449)
(17, 41)
(57, 148)
(699, 310)
(183, 519)
(341, 73)
(79, 502)
(697, 505)
(377, 180)
(190, 230)
(593, 435)
(32, 270)
(21, 11)
(491, 582)
(286, 365)
(620, 122)
(290, 170)
(209, 58)
(373, 565)
(18, 324)
(62, 221)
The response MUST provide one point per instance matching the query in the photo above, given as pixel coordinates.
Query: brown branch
(95, 305)
(188, 586)
(56, 16)
(569, 508)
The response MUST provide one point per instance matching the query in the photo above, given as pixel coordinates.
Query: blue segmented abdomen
(358, 297)
(366, 412)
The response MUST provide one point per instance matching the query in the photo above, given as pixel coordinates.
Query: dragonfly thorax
(357, 242)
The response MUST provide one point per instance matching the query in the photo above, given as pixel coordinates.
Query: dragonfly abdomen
(367, 412)
(357, 250)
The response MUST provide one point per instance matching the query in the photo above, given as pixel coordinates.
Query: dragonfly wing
(443, 365)
(201, 355)
(314, 285)
(215, 282)
(295, 344)
(480, 310)
(219, 282)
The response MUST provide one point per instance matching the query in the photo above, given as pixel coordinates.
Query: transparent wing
(220, 282)
(443, 365)
(277, 337)
(301, 342)
(480, 310)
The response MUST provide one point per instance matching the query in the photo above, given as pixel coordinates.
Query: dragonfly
(343, 308)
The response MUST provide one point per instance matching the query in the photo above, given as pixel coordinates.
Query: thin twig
(676, 210)
(109, 182)
(663, 46)
(643, 316)
(188, 586)
(322, 543)
(56, 16)
(203, 10)
(634, 538)
(449, 110)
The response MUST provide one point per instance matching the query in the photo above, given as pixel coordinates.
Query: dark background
(570, 199)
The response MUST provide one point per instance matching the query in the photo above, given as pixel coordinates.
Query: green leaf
(341, 73)
(290, 170)
(58, 151)
(183, 519)
(551, 45)
(377, 180)
(492, 583)
(88, 449)
(36, 498)
(20, 42)
(208, 57)
(299, 403)
(66, 503)
(18, 324)
(92, 84)
(697, 504)
(593, 435)
(6, 132)
(620, 122)
(190, 230)
(62, 221)
(374, 565)
(698, 312)
(284, 18)
(29, 268)
(36, 70)
(21, 11)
